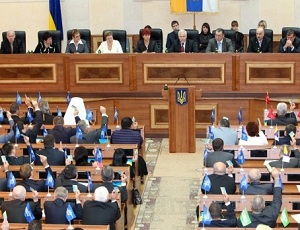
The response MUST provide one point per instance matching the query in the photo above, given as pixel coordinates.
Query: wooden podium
(182, 129)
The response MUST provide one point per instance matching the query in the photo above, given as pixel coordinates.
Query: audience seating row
(60, 226)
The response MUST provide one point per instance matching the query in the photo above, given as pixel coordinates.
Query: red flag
(267, 98)
(271, 114)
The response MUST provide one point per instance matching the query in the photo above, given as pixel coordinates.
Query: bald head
(254, 175)
(19, 193)
(10, 35)
(260, 33)
(257, 204)
(219, 168)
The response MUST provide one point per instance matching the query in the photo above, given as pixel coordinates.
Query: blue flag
(45, 132)
(240, 115)
(1, 115)
(78, 133)
(70, 215)
(17, 134)
(213, 115)
(243, 183)
(89, 115)
(206, 185)
(31, 153)
(18, 99)
(244, 135)
(55, 19)
(98, 155)
(206, 218)
(210, 133)
(11, 182)
(28, 213)
(116, 115)
(90, 182)
(39, 97)
(68, 98)
(66, 154)
(240, 157)
(205, 153)
(49, 180)
(58, 112)
(29, 116)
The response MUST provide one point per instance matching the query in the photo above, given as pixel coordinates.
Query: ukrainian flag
(184, 6)
(55, 22)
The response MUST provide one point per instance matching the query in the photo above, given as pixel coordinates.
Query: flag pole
(48, 194)
(89, 190)
(194, 26)
(282, 169)
(243, 195)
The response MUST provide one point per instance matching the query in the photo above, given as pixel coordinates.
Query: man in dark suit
(101, 211)
(12, 45)
(15, 208)
(286, 139)
(289, 44)
(282, 117)
(54, 156)
(173, 35)
(9, 151)
(68, 178)
(260, 43)
(183, 45)
(219, 44)
(293, 162)
(55, 211)
(262, 214)
(255, 187)
(220, 179)
(47, 117)
(218, 155)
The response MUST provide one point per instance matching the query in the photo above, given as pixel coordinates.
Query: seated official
(286, 139)
(204, 36)
(254, 135)
(109, 45)
(215, 210)
(46, 46)
(289, 44)
(15, 208)
(219, 44)
(255, 187)
(282, 117)
(12, 45)
(76, 44)
(55, 211)
(54, 156)
(260, 43)
(218, 155)
(68, 178)
(294, 162)
(239, 37)
(262, 214)
(228, 135)
(14, 109)
(146, 45)
(183, 45)
(101, 210)
(172, 36)
(220, 179)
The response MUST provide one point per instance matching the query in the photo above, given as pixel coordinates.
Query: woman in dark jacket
(146, 45)
(204, 37)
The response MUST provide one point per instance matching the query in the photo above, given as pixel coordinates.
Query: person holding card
(228, 135)
(218, 155)
(289, 132)
(9, 151)
(254, 135)
(283, 117)
(55, 211)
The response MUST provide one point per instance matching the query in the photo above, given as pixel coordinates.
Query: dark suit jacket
(266, 45)
(171, 38)
(68, 184)
(15, 119)
(213, 46)
(239, 42)
(152, 47)
(110, 187)
(100, 213)
(256, 188)
(18, 47)
(294, 162)
(269, 215)
(82, 48)
(15, 210)
(285, 140)
(16, 160)
(62, 134)
(55, 211)
(54, 157)
(216, 156)
(289, 118)
(218, 181)
(190, 46)
(203, 40)
(296, 44)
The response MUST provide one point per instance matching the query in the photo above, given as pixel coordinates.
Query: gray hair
(107, 173)
(61, 192)
(44, 106)
(254, 175)
(281, 108)
(182, 31)
(82, 125)
(219, 168)
(101, 194)
(257, 204)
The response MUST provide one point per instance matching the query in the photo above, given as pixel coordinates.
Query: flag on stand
(29, 115)
(55, 21)
(116, 115)
(206, 219)
(11, 182)
(18, 99)
(39, 97)
(243, 183)
(28, 213)
(66, 154)
(89, 115)
(68, 98)
(276, 134)
(241, 158)
(240, 115)
(245, 218)
(271, 114)
(78, 133)
(244, 135)
(58, 112)
(90, 182)
(70, 215)
(45, 132)
(98, 155)
(284, 217)
(185, 6)
(267, 98)
(206, 185)
(213, 115)
(17, 134)
(211, 135)
(31, 153)
(49, 181)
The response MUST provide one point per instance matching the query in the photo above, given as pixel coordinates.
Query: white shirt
(260, 140)
(76, 46)
(116, 47)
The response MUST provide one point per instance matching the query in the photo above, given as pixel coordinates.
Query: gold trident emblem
(181, 96)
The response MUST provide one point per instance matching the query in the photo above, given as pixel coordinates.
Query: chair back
(85, 34)
(192, 34)
(156, 35)
(21, 35)
(286, 29)
(268, 33)
(119, 35)
(56, 37)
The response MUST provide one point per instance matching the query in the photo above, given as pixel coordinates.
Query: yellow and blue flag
(184, 6)
(55, 21)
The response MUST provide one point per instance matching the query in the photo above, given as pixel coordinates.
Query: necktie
(182, 47)
(11, 48)
(219, 47)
